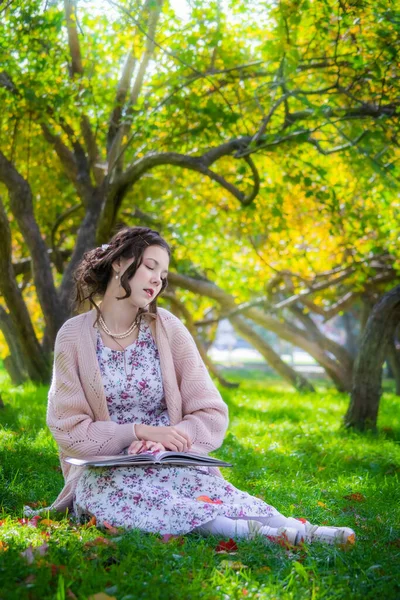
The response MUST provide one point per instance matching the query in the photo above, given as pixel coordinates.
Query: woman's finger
(134, 447)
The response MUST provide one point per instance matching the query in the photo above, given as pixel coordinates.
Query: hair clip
(105, 246)
(143, 239)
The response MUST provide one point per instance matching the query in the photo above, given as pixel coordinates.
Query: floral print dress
(163, 499)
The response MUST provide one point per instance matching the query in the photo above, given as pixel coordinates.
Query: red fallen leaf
(32, 522)
(245, 592)
(356, 497)
(209, 500)
(91, 523)
(55, 569)
(2, 523)
(99, 541)
(45, 534)
(301, 519)
(229, 546)
(110, 527)
(282, 541)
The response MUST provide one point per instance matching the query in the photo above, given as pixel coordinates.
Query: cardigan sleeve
(69, 416)
(205, 414)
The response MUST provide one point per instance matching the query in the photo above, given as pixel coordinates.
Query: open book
(148, 458)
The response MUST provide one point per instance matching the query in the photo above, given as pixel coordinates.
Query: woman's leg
(290, 529)
(246, 528)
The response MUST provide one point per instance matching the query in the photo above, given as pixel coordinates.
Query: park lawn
(287, 448)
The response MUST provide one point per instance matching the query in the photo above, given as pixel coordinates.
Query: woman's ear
(116, 265)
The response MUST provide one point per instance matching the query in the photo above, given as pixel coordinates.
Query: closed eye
(163, 279)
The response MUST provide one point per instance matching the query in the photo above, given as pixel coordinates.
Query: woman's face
(146, 282)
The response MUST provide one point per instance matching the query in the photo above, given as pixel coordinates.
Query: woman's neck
(118, 314)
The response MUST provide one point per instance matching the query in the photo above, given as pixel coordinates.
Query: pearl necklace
(118, 336)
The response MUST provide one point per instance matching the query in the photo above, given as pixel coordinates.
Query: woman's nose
(156, 279)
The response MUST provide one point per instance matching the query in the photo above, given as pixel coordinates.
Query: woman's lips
(149, 293)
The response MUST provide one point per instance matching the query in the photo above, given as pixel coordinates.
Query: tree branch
(154, 16)
(73, 39)
(181, 308)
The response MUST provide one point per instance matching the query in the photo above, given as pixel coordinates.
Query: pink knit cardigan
(77, 413)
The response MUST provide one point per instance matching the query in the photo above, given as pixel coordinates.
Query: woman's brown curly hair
(95, 269)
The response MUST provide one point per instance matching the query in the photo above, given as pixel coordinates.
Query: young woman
(128, 375)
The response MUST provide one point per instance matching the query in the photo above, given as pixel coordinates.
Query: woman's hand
(169, 437)
(145, 445)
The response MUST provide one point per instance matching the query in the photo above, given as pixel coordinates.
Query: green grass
(287, 448)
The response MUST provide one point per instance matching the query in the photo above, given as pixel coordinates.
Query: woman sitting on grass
(128, 375)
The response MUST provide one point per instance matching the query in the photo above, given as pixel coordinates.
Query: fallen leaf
(70, 594)
(91, 523)
(30, 579)
(228, 546)
(321, 504)
(101, 596)
(356, 497)
(37, 504)
(245, 592)
(110, 528)
(236, 565)
(48, 522)
(208, 500)
(33, 522)
(321, 468)
(395, 543)
(265, 568)
(55, 569)
(3, 546)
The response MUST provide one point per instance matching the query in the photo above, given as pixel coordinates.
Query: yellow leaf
(48, 522)
(321, 504)
(233, 564)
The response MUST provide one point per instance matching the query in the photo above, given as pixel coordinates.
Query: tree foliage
(260, 138)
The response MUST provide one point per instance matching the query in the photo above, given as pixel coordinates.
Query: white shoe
(281, 535)
(329, 535)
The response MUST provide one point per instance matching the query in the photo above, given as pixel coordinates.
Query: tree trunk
(36, 363)
(351, 338)
(367, 383)
(22, 208)
(14, 363)
(273, 359)
(393, 358)
(341, 375)
(85, 240)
